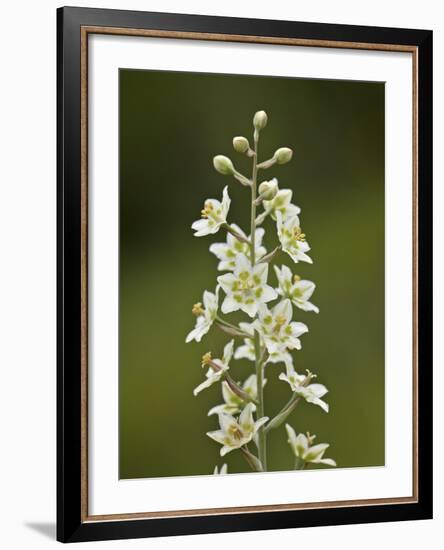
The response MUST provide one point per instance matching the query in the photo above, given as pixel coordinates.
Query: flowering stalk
(271, 335)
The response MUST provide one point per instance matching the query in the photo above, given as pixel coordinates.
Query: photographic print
(251, 264)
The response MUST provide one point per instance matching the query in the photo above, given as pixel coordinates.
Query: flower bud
(240, 144)
(268, 189)
(260, 120)
(283, 155)
(223, 165)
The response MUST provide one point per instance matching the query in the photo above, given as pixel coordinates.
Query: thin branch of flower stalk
(242, 179)
(271, 255)
(232, 331)
(267, 164)
(233, 327)
(260, 219)
(252, 460)
(238, 236)
(239, 391)
(283, 415)
(287, 409)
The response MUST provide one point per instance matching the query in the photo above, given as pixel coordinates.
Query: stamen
(197, 309)
(206, 359)
(298, 235)
(296, 278)
(236, 432)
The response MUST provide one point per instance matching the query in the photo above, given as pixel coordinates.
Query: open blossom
(246, 288)
(216, 367)
(233, 433)
(277, 329)
(281, 202)
(298, 290)
(292, 239)
(223, 470)
(205, 315)
(246, 351)
(213, 215)
(233, 403)
(302, 447)
(227, 252)
(312, 393)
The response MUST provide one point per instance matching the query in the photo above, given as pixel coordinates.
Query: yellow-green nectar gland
(280, 321)
(197, 309)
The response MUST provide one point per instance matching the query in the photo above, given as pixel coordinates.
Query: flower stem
(262, 442)
(238, 236)
(252, 460)
(239, 391)
(283, 414)
(238, 331)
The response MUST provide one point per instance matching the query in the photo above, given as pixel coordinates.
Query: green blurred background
(171, 125)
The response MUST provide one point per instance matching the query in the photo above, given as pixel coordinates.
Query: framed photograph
(244, 274)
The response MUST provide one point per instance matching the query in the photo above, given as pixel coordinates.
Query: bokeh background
(171, 126)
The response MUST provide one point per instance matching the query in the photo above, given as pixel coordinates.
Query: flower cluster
(269, 334)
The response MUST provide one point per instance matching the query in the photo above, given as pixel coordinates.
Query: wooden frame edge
(89, 29)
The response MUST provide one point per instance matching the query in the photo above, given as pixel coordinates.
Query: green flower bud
(283, 155)
(260, 120)
(240, 144)
(223, 165)
(268, 189)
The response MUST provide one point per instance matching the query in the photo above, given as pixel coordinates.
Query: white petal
(201, 227)
(230, 304)
(245, 352)
(242, 264)
(298, 329)
(283, 309)
(218, 436)
(250, 308)
(226, 201)
(228, 352)
(220, 250)
(291, 435)
(261, 270)
(226, 282)
(268, 294)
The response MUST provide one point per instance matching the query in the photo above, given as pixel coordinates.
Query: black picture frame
(71, 523)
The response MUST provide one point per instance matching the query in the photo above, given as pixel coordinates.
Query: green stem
(239, 391)
(234, 327)
(262, 442)
(253, 461)
(283, 414)
(238, 236)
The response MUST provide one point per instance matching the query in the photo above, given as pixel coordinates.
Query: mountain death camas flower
(266, 334)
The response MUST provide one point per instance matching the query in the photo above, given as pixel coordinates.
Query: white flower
(233, 403)
(216, 367)
(227, 252)
(246, 288)
(292, 239)
(276, 328)
(303, 449)
(312, 393)
(223, 470)
(247, 350)
(298, 290)
(281, 203)
(205, 316)
(233, 433)
(214, 214)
